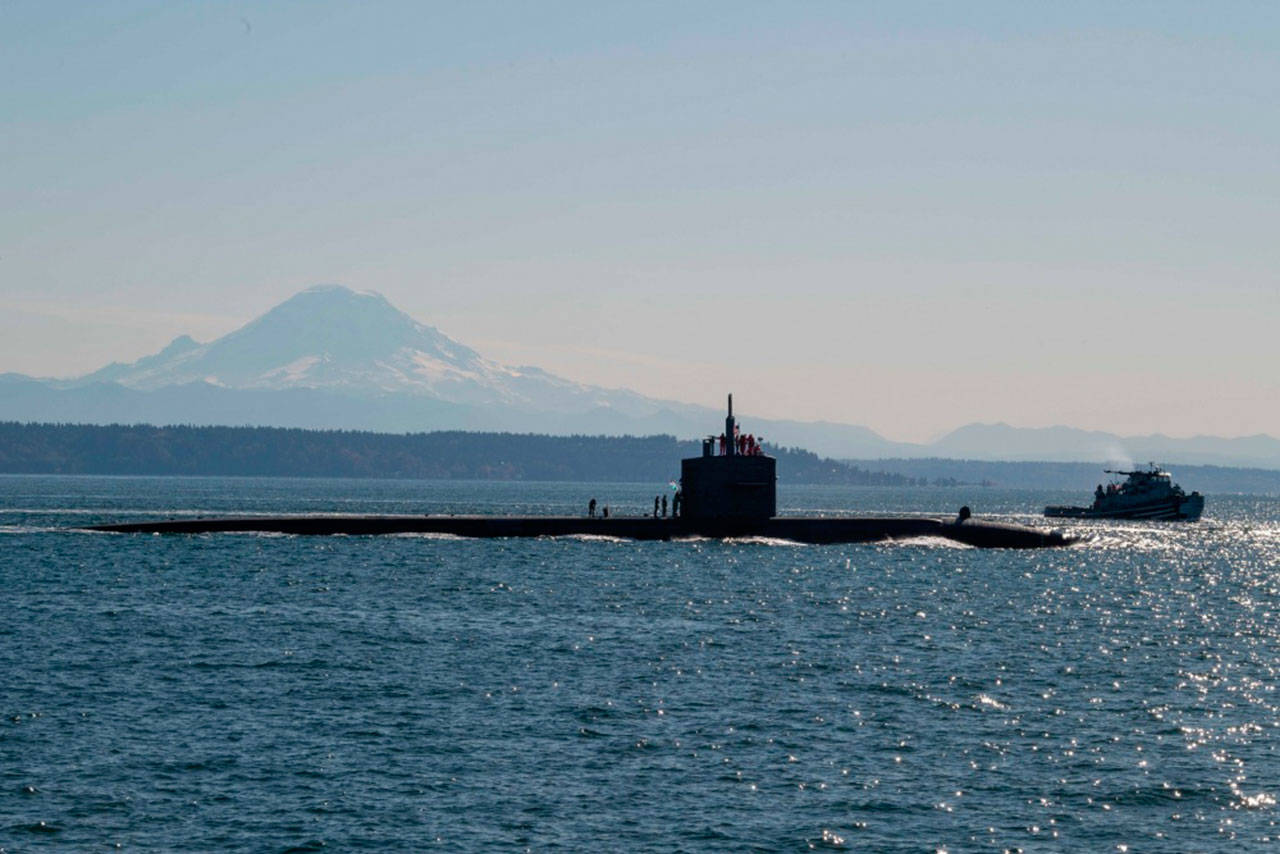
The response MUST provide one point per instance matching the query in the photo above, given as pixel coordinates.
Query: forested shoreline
(141, 449)
(1082, 477)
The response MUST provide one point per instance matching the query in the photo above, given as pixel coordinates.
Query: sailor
(655, 507)
(1098, 493)
(591, 508)
(664, 507)
(605, 512)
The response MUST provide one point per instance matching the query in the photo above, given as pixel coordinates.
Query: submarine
(729, 491)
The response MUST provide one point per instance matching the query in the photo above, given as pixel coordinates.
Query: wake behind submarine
(731, 493)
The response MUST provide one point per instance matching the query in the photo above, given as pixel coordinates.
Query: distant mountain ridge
(331, 357)
(1069, 444)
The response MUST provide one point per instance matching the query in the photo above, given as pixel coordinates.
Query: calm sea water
(263, 693)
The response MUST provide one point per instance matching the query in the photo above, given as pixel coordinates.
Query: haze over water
(403, 693)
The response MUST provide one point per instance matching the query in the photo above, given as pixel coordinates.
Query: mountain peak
(324, 302)
(331, 287)
(332, 292)
(327, 336)
(335, 323)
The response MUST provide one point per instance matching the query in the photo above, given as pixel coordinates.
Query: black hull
(800, 530)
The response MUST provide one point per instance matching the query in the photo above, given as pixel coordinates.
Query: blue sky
(905, 215)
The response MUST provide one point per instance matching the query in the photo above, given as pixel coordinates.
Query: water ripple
(294, 694)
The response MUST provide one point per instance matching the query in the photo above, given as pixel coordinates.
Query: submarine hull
(795, 529)
(732, 494)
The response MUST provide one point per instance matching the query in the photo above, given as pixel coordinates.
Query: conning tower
(728, 485)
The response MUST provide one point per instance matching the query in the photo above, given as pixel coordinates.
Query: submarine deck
(797, 529)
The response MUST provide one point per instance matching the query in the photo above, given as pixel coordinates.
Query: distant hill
(266, 451)
(1068, 444)
(1080, 477)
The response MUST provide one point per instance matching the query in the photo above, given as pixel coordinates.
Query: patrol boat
(1148, 493)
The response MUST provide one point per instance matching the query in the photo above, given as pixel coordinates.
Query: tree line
(141, 449)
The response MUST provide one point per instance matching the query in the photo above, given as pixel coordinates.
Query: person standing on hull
(655, 507)
(591, 508)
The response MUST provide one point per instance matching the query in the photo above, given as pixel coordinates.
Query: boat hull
(1187, 509)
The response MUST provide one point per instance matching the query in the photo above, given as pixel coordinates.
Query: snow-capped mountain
(335, 339)
(331, 357)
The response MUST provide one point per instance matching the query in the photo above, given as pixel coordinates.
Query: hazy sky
(904, 215)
